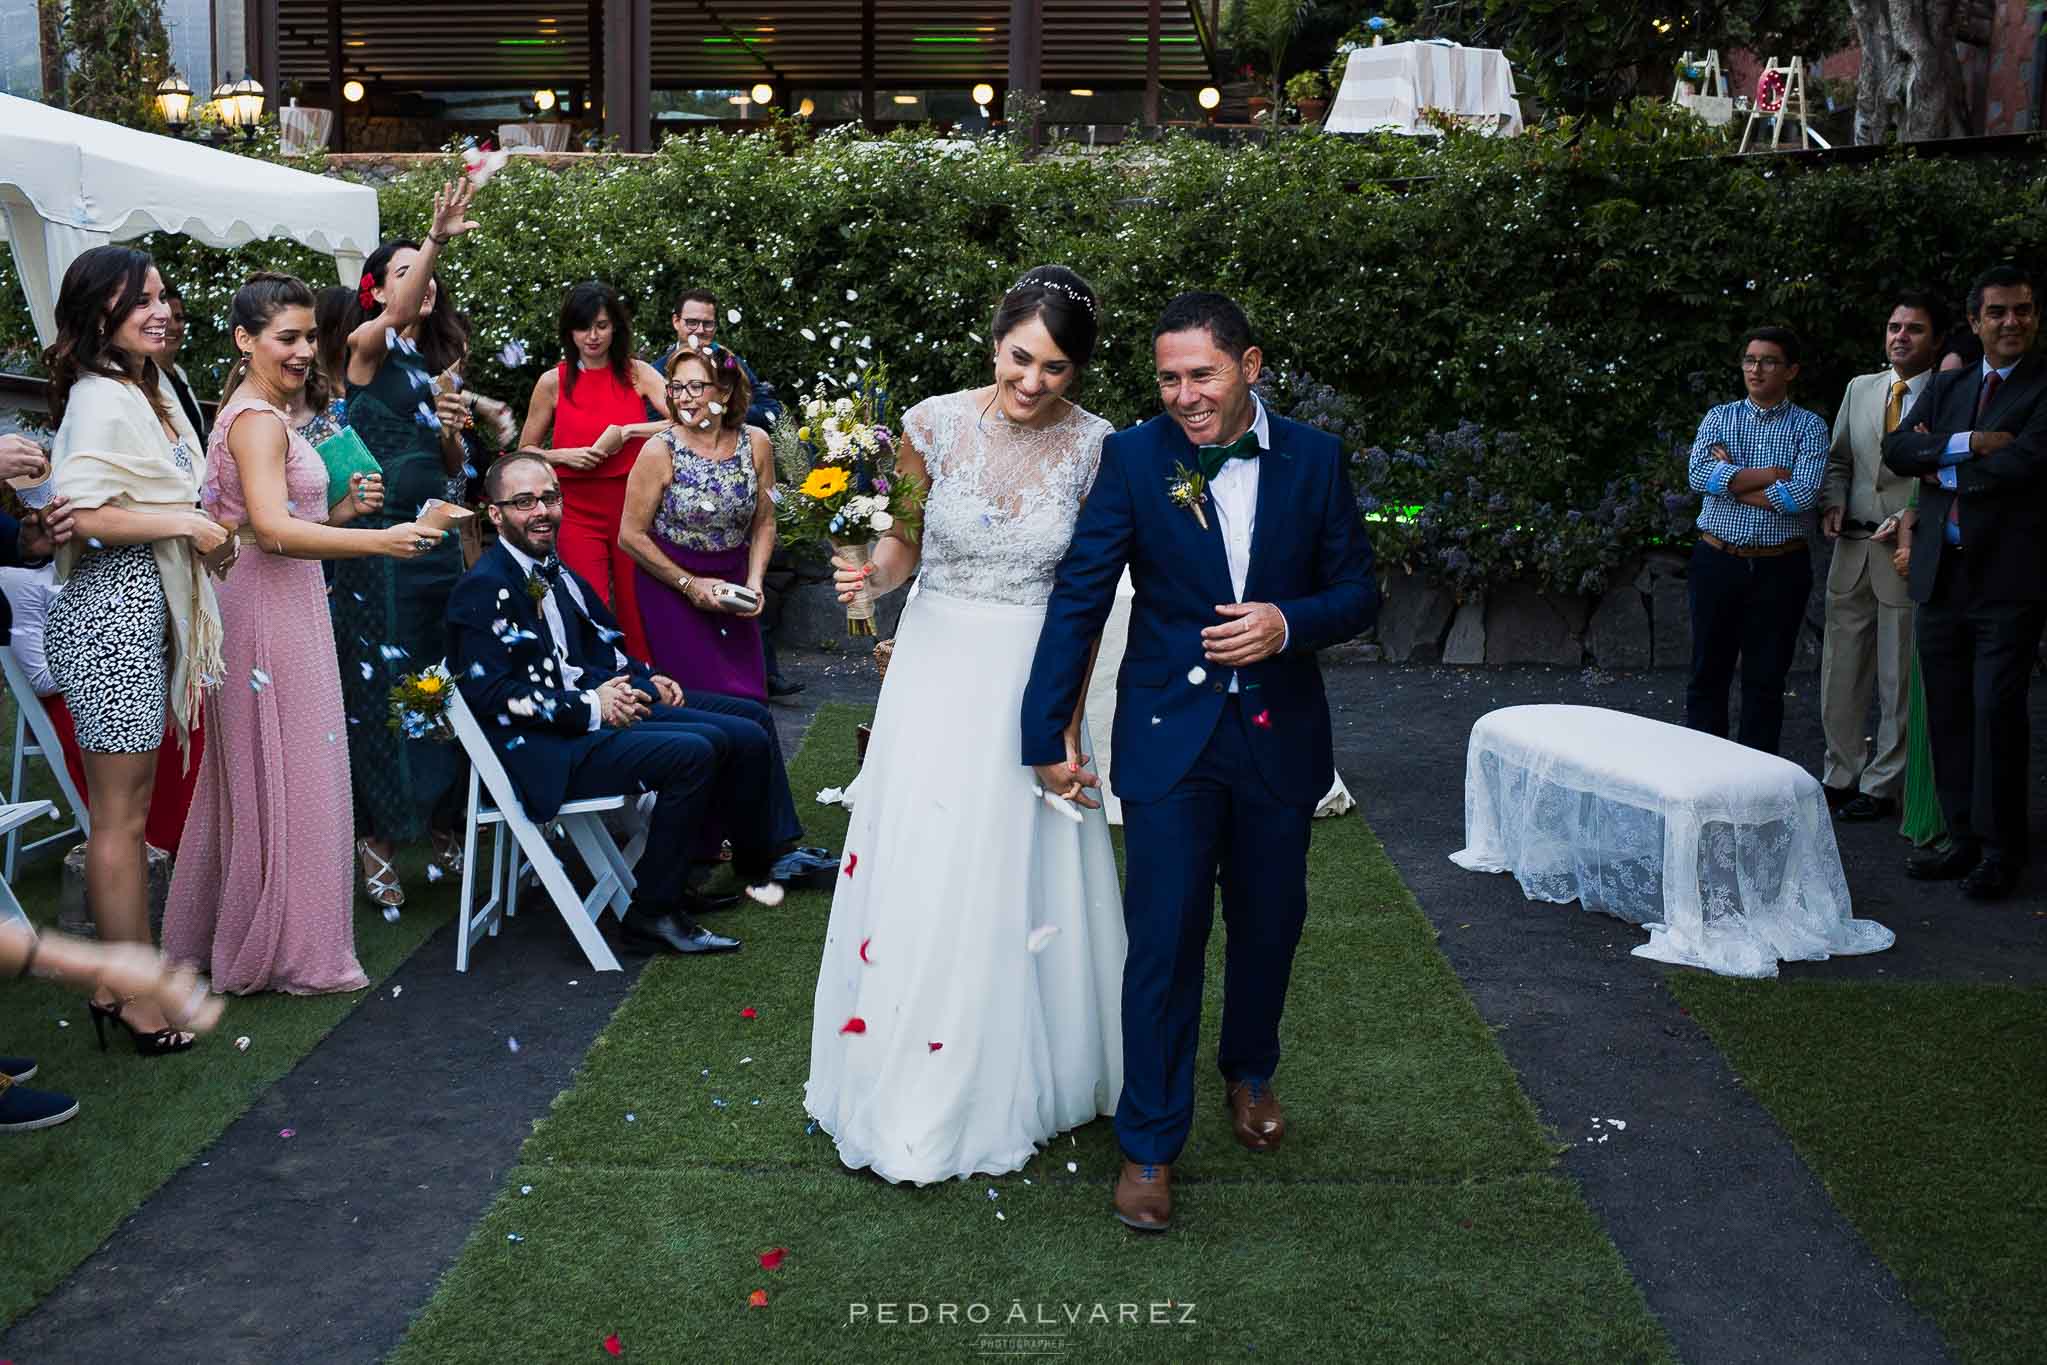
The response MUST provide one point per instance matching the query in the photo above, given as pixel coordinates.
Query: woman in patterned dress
(260, 896)
(390, 617)
(136, 631)
(697, 517)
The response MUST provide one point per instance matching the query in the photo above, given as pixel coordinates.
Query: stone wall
(1642, 621)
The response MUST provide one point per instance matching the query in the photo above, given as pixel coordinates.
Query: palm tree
(1268, 27)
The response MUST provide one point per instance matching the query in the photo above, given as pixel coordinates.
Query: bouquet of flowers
(419, 705)
(839, 483)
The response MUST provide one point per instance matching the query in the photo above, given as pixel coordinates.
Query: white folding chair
(31, 718)
(12, 817)
(501, 811)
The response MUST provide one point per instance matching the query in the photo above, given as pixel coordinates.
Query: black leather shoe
(1865, 808)
(1943, 864)
(670, 933)
(1837, 797)
(1990, 880)
(695, 903)
(780, 687)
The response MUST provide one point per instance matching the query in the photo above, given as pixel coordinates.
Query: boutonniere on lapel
(536, 588)
(1188, 488)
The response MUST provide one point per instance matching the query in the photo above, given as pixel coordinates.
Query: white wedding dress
(969, 1004)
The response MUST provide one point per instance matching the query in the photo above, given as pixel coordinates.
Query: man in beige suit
(1869, 612)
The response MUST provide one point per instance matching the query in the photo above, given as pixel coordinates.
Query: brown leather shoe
(1144, 1196)
(1260, 1122)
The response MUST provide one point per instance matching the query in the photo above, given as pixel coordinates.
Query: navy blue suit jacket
(499, 650)
(1309, 557)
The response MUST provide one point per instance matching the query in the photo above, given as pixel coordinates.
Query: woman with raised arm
(135, 633)
(390, 616)
(968, 1005)
(261, 894)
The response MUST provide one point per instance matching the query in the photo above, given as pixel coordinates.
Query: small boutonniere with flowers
(1188, 488)
(536, 588)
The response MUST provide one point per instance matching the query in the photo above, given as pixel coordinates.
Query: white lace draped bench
(1726, 855)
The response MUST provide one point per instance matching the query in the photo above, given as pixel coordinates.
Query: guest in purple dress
(698, 520)
(262, 892)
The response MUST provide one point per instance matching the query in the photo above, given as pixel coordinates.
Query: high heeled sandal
(448, 856)
(156, 1043)
(380, 880)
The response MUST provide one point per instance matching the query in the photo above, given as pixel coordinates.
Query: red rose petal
(748, 1013)
(757, 1299)
(854, 1025)
(936, 1046)
(863, 951)
(613, 1345)
(852, 861)
(1263, 720)
(772, 1260)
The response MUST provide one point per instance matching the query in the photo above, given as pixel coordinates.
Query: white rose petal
(852, 296)
(732, 315)
(1197, 675)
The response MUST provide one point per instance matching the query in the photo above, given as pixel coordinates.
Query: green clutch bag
(344, 454)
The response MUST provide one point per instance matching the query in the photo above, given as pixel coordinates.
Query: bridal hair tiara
(1078, 296)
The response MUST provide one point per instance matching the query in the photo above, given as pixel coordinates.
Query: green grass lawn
(1413, 1214)
(1923, 1108)
(140, 1119)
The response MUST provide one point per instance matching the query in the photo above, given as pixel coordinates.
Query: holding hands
(44, 529)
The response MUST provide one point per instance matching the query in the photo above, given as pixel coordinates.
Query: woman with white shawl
(135, 632)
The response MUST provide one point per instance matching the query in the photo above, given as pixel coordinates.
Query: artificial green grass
(1411, 1216)
(140, 1119)
(1923, 1109)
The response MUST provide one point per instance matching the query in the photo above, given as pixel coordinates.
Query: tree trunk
(50, 46)
(1911, 80)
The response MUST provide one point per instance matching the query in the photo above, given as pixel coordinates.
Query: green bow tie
(1213, 458)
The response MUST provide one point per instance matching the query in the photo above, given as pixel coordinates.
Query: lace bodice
(1003, 497)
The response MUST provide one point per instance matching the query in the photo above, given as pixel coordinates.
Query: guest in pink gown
(262, 894)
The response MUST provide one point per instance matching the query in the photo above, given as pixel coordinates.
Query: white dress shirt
(31, 593)
(1234, 490)
(550, 612)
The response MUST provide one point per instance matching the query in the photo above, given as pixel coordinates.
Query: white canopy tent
(70, 183)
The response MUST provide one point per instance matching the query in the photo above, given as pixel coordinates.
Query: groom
(1241, 533)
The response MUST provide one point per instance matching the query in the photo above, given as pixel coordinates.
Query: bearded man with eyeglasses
(1758, 462)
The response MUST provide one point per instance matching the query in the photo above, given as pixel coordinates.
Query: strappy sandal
(379, 878)
(157, 1043)
(448, 856)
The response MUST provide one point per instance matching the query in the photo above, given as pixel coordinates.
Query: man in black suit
(1977, 437)
(533, 648)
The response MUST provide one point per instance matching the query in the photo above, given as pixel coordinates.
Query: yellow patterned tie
(1894, 411)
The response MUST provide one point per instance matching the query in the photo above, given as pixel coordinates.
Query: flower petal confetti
(852, 861)
(757, 1299)
(287, 1132)
(242, 1043)
(854, 1025)
(772, 1260)
(390, 914)
(863, 951)
(1041, 936)
(525, 1189)
(935, 1046)
(749, 1013)
(732, 316)
(613, 1346)
(258, 680)
(512, 1044)
(1197, 675)
(1263, 720)
(512, 355)
(513, 1237)
(852, 296)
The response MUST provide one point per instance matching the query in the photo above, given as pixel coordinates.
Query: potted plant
(1308, 91)
(1267, 28)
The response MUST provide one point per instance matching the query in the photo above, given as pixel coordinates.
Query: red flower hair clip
(365, 293)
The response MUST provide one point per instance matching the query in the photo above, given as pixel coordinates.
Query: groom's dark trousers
(1217, 786)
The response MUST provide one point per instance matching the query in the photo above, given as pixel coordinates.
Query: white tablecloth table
(1725, 854)
(1386, 88)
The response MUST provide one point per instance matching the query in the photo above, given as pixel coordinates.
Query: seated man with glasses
(535, 652)
(1759, 462)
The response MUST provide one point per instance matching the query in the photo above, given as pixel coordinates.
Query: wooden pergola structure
(620, 51)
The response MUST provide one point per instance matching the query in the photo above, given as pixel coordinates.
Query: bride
(968, 1007)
